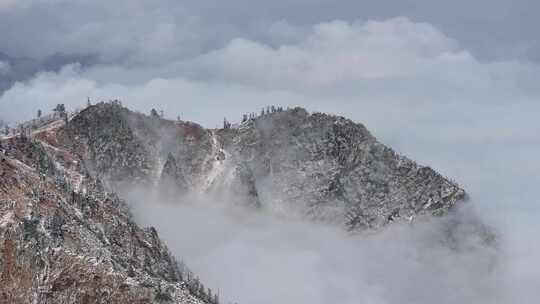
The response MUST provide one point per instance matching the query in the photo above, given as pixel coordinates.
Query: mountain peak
(317, 166)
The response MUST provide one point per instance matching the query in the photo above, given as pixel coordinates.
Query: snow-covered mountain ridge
(66, 237)
(317, 166)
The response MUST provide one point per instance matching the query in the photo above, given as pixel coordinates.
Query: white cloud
(337, 52)
(176, 96)
(255, 258)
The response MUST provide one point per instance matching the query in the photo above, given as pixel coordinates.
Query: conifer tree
(209, 294)
(60, 109)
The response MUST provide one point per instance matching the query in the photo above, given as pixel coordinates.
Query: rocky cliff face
(332, 169)
(318, 166)
(64, 239)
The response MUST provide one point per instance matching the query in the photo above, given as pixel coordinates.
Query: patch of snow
(131, 282)
(218, 166)
(7, 219)
(20, 165)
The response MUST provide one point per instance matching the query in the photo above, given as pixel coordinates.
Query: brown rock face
(315, 166)
(63, 239)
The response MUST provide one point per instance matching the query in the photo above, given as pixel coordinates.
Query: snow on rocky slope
(64, 239)
(316, 166)
(332, 169)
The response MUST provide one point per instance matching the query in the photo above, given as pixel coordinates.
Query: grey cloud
(151, 32)
(492, 30)
(5, 4)
(128, 31)
(5, 67)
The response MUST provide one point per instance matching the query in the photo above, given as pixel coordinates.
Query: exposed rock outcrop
(319, 166)
(63, 239)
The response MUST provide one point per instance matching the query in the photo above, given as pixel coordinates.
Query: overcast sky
(492, 29)
(452, 84)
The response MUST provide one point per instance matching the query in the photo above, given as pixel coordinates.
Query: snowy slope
(63, 239)
(292, 163)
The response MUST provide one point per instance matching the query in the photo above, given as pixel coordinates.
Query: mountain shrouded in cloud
(452, 85)
(333, 170)
(283, 169)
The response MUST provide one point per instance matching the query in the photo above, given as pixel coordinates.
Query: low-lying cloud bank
(251, 257)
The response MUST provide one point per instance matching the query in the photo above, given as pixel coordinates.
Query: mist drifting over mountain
(452, 87)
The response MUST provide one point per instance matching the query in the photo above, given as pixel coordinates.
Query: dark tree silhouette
(60, 109)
